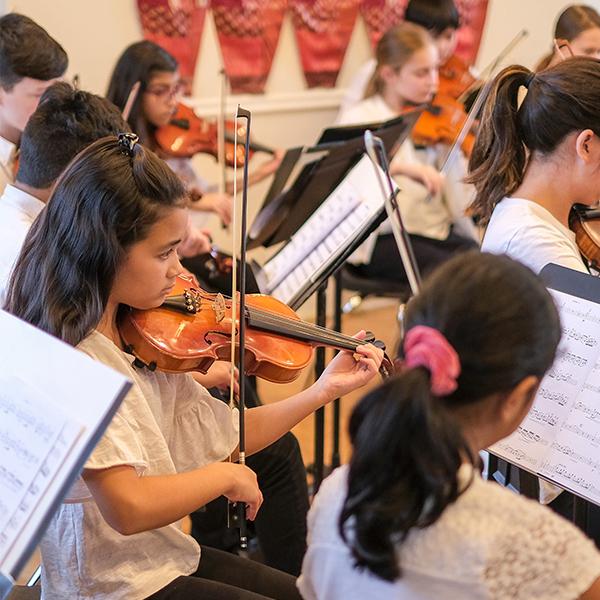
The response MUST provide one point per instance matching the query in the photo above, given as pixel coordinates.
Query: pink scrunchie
(427, 347)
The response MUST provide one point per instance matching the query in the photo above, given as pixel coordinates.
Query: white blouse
(167, 424)
(490, 544)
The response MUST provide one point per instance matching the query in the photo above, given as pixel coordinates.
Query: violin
(192, 329)
(441, 123)
(187, 134)
(585, 223)
(455, 77)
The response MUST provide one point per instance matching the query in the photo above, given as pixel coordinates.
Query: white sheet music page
(560, 437)
(55, 403)
(35, 438)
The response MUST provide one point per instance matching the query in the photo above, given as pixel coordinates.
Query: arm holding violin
(346, 372)
(427, 175)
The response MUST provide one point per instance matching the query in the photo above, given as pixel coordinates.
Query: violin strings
(302, 327)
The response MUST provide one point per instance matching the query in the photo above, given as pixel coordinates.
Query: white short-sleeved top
(167, 424)
(527, 232)
(490, 544)
(18, 210)
(429, 217)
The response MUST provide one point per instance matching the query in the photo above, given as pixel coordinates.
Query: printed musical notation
(35, 438)
(560, 437)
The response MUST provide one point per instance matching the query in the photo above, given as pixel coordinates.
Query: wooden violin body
(441, 123)
(192, 329)
(455, 77)
(585, 223)
(187, 134)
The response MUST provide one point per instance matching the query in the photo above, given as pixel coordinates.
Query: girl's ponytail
(498, 159)
(403, 474)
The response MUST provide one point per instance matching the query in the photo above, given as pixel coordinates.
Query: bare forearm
(137, 504)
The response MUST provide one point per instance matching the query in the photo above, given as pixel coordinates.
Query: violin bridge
(219, 307)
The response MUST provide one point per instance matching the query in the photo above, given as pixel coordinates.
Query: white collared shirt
(18, 210)
(7, 160)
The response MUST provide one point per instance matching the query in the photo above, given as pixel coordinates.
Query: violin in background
(187, 134)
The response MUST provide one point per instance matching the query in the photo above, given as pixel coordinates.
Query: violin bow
(481, 96)
(221, 135)
(237, 513)
(493, 65)
(130, 100)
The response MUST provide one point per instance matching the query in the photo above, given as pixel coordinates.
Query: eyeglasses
(166, 93)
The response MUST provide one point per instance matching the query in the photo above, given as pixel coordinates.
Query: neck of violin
(300, 330)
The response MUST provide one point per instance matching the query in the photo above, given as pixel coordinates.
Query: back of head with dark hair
(560, 100)
(66, 121)
(139, 62)
(434, 15)
(408, 446)
(26, 50)
(103, 203)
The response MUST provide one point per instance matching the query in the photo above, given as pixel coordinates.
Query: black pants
(223, 576)
(429, 253)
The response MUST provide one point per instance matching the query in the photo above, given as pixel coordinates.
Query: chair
(352, 280)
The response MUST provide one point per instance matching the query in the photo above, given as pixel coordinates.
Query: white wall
(94, 33)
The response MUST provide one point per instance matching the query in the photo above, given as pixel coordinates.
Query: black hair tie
(127, 142)
(528, 80)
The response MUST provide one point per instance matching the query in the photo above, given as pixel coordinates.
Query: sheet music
(55, 403)
(350, 209)
(560, 437)
(35, 438)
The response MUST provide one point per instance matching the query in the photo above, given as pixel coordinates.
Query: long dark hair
(560, 100)
(139, 62)
(408, 446)
(572, 22)
(102, 204)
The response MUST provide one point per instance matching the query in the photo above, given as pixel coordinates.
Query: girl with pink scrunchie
(410, 517)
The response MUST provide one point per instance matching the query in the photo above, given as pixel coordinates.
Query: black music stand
(288, 205)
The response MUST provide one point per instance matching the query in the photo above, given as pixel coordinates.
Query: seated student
(281, 468)
(432, 209)
(410, 517)
(66, 121)
(155, 105)
(580, 26)
(30, 61)
(533, 159)
(108, 237)
(439, 17)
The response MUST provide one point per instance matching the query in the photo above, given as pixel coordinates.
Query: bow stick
(237, 513)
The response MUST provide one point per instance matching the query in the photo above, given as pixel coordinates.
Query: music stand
(282, 216)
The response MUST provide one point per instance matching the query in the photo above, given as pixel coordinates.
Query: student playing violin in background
(532, 161)
(579, 26)
(407, 76)
(154, 107)
(441, 19)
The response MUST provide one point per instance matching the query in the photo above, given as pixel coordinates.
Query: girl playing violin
(580, 26)
(441, 19)
(107, 237)
(533, 159)
(154, 106)
(156, 102)
(410, 516)
(407, 76)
